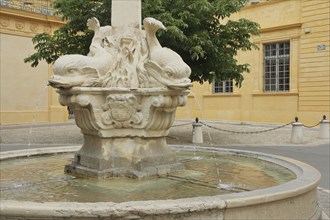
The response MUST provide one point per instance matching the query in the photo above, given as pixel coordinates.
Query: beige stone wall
(314, 80)
(309, 94)
(23, 89)
(25, 98)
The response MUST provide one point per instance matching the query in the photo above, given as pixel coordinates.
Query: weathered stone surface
(124, 130)
(133, 157)
(123, 57)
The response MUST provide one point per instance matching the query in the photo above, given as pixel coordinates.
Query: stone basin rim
(307, 179)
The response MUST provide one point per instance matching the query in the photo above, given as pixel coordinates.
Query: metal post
(297, 136)
(324, 131)
(197, 133)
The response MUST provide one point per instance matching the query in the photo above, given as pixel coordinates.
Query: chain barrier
(250, 132)
(245, 132)
(313, 126)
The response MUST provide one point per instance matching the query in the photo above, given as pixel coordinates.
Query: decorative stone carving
(123, 57)
(47, 30)
(124, 95)
(15, 23)
(19, 25)
(165, 65)
(122, 110)
(34, 27)
(124, 130)
(79, 70)
(4, 22)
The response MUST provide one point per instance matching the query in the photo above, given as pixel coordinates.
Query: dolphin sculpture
(165, 65)
(79, 70)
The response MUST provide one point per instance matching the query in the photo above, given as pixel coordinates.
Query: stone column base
(134, 157)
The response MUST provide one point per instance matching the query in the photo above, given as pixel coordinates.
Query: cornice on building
(24, 23)
(282, 27)
(30, 15)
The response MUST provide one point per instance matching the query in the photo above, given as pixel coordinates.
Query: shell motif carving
(121, 111)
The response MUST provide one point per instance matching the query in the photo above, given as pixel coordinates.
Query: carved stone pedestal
(133, 157)
(124, 130)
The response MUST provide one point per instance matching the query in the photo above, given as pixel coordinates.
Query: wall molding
(279, 28)
(22, 23)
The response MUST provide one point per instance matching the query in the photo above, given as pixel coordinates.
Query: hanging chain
(248, 132)
(306, 126)
(244, 132)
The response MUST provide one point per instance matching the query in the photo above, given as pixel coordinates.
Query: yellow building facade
(293, 81)
(25, 97)
(289, 75)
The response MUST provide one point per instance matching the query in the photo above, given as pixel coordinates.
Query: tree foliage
(196, 29)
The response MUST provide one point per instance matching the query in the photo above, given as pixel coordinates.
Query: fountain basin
(296, 199)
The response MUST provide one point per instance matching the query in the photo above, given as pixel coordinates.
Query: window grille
(223, 86)
(277, 67)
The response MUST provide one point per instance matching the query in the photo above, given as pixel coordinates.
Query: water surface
(42, 179)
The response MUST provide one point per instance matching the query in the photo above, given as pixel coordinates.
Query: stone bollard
(197, 133)
(324, 131)
(297, 132)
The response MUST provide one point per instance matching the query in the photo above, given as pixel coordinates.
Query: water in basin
(42, 179)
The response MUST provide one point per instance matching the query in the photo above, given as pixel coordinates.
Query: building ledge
(282, 27)
(30, 15)
(221, 95)
(275, 94)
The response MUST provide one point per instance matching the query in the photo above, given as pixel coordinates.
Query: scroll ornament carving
(122, 110)
(79, 100)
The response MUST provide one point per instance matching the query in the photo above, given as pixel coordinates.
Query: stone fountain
(124, 95)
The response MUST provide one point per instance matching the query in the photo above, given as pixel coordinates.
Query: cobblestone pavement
(60, 134)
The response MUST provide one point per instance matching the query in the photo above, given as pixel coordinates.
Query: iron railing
(35, 6)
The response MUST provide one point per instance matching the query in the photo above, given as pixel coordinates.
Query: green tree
(195, 29)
